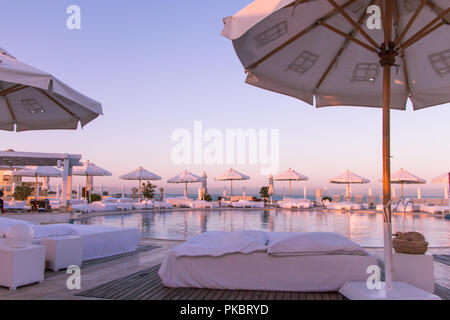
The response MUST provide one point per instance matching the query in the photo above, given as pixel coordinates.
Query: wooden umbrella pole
(402, 191)
(388, 57)
(140, 188)
(36, 186)
(290, 188)
(231, 190)
(86, 190)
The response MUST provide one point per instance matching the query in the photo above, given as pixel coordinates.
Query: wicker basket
(410, 243)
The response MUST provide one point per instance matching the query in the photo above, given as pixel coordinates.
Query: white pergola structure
(61, 160)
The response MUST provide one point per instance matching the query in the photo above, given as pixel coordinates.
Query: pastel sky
(158, 66)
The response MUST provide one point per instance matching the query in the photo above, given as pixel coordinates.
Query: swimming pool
(363, 228)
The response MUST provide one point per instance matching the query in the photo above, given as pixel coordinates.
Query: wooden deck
(146, 285)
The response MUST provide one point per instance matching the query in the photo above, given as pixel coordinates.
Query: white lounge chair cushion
(312, 243)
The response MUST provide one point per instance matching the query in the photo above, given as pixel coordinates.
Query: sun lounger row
(247, 204)
(347, 206)
(295, 204)
(123, 204)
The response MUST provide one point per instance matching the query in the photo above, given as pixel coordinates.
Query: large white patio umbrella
(31, 99)
(89, 169)
(290, 176)
(349, 178)
(38, 172)
(403, 177)
(140, 174)
(232, 175)
(334, 51)
(444, 179)
(186, 177)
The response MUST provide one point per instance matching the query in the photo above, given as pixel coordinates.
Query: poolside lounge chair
(17, 206)
(434, 209)
(247, 204)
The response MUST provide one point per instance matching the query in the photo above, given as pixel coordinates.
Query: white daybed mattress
(251, 268)
(104, 241)
(98, 241)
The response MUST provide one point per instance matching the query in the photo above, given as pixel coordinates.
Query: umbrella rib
(402, 55)
(58, 103)
(13, 89)
(11, 112)
(436, 9)
(410, 22)
(297, 36)
(342, 49)
(353, 22)
(362, 44)
(430, 27)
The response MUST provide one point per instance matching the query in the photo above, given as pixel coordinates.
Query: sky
(159, 66)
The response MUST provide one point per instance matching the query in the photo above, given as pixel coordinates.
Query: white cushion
(312, 243)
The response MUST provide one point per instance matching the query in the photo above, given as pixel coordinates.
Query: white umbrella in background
(403, 177)
(349, 178)
(38, 172)
(186, 177)
(232, 175)
(290, 176)
(419, 193)
(34, 100)
(330, 53)
(444, 179)
(140, 174)
(89, 169)
(123, 191)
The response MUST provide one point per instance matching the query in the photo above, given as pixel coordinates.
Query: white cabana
(291, 175)
(349, 178)
(330, 53)
(89, 169)
(140, 174)
(232, 175)
(186, 177)
(38, 172)
(31, 99)
(403, 177)
(444, 179)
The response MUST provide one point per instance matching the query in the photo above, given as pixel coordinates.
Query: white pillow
(220, 243)
(55, 230)
(312, 243)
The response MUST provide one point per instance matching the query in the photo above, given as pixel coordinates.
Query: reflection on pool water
(364, 228)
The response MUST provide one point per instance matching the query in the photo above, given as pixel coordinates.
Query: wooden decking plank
(141, 288)
(129, 289)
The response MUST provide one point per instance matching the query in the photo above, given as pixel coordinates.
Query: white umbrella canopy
(329, 50)
(37, 172)
(291, 175)
(186, 177)
(232, 175)
(442, 179)
(349, 178)
(140, 174)
(403, 177)
(89, 169)
(31, 99)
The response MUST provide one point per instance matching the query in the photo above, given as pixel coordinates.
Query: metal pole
(290, 188)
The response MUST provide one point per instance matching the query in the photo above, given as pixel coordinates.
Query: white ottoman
(62, 252)
(20, 267)
(417, 270)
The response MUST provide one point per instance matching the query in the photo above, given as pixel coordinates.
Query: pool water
(363, 228)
